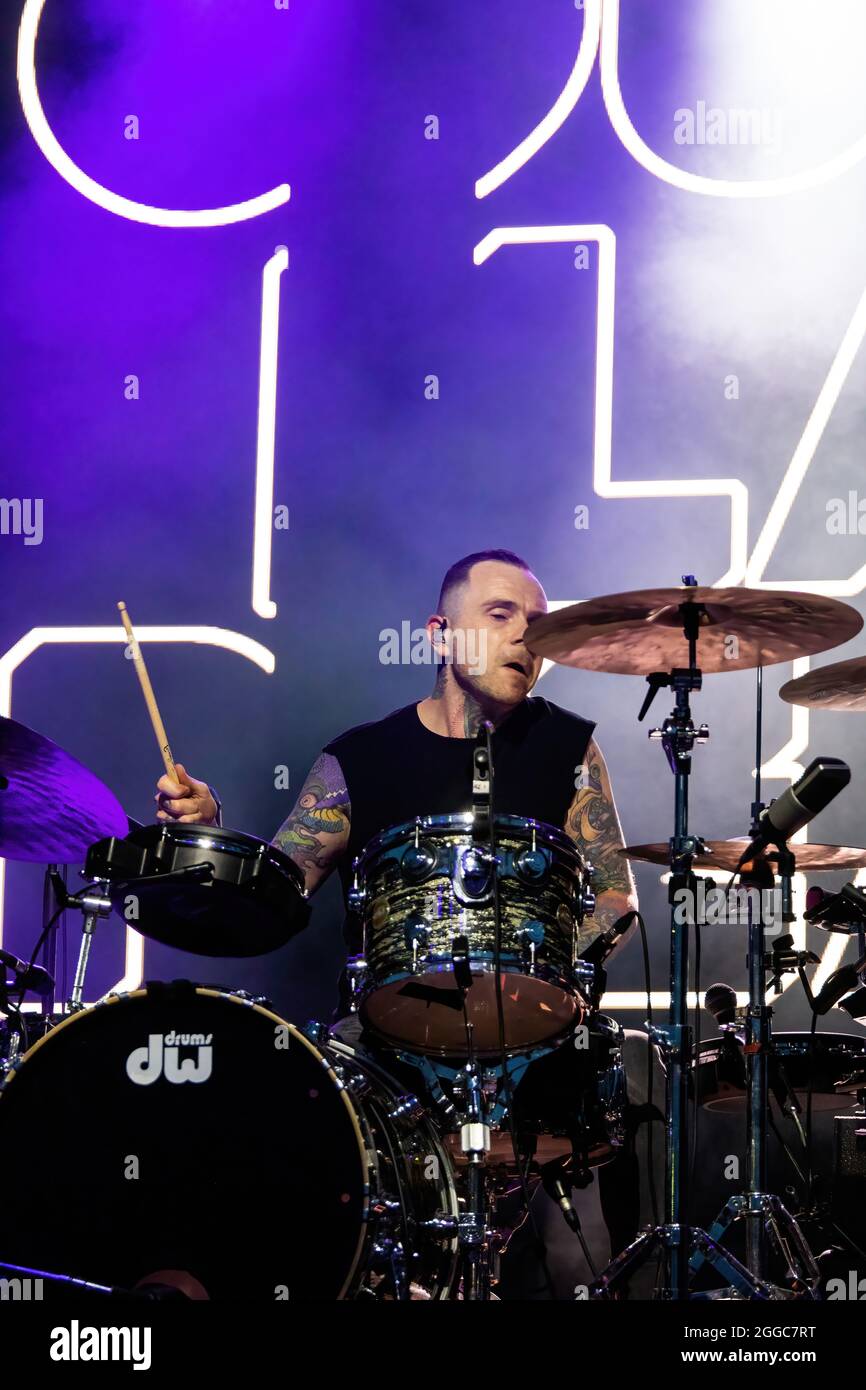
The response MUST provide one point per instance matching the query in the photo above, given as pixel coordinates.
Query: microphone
(554, 1183)
(32, 977)
(600, 948)
(720, 1000)
(840, 983)
(482, 782)
(823, 780)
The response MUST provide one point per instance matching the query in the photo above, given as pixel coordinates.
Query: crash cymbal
(51, 807)
(635, 633)
(726, 854)
(841, 686)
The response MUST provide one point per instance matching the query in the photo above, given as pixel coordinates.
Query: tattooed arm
(592, 822)
(316, 832)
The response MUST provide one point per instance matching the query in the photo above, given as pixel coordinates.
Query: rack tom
(425, 894)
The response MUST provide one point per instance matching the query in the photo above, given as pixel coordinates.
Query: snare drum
(424, 892)
(186, 1136)
(204, 889)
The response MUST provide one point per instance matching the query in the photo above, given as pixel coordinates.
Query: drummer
(418, 760)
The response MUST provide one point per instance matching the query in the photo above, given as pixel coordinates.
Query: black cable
(694, 1060)
(650, 1070)
(809, 1093)
(36, 949)
(500, 1018)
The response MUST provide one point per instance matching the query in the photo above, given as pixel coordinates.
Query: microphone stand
(764, 1214)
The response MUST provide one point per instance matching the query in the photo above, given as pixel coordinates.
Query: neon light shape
(603, 484)
(680, 178)
(801, 458)
(601, 34)
(263, 526)
(88, 187)
(559, 111)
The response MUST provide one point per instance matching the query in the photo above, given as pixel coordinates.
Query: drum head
(181, 1129)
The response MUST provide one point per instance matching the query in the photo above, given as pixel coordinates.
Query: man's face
(495, 606)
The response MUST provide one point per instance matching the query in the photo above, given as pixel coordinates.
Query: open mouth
(516, 666)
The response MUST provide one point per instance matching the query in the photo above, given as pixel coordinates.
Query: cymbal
(726, 854)
(51, 807)
(635, 633)
(841, 686)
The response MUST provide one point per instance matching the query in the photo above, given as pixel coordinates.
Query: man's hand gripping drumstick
(179, 797)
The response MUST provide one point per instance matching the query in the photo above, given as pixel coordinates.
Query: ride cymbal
(635, 633)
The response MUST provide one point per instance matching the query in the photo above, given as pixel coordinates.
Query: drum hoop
(222, 839)
(462, 820)
(341, 1089)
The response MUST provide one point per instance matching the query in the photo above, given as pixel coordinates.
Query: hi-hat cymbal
(726, 854)
(841, 686)
(51, 807)
(635, 633)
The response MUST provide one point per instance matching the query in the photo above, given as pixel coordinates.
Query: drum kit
(184, 1141)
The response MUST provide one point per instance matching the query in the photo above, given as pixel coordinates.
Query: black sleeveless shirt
(396, 769)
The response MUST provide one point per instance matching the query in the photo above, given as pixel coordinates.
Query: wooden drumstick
(149, 698)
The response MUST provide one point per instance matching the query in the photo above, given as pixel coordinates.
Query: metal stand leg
(683, 1246)
(768, 1223)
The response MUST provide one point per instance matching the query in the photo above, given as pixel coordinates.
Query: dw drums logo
(161, 1058)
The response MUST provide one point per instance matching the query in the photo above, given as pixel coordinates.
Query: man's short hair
(459, 572)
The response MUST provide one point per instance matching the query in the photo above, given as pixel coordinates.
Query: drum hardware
(356, 974)
(767, 1221)
(93, 904)
(674, 1237)
(844, 912)
(651, 633)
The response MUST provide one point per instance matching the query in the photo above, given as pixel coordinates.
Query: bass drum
(187, 1136)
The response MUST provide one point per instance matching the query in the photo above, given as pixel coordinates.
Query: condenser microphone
(823, 780)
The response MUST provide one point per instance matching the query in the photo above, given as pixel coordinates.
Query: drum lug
(530, 937)
(585, 896)
(418, 862)
(416, 934)
(583, 973)
(407, 1107)
(318, 1033)
(532, 865)
(440, 1225)
(388, 1255)
(356, 974)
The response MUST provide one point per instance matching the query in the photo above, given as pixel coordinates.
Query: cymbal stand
(674, 1237)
